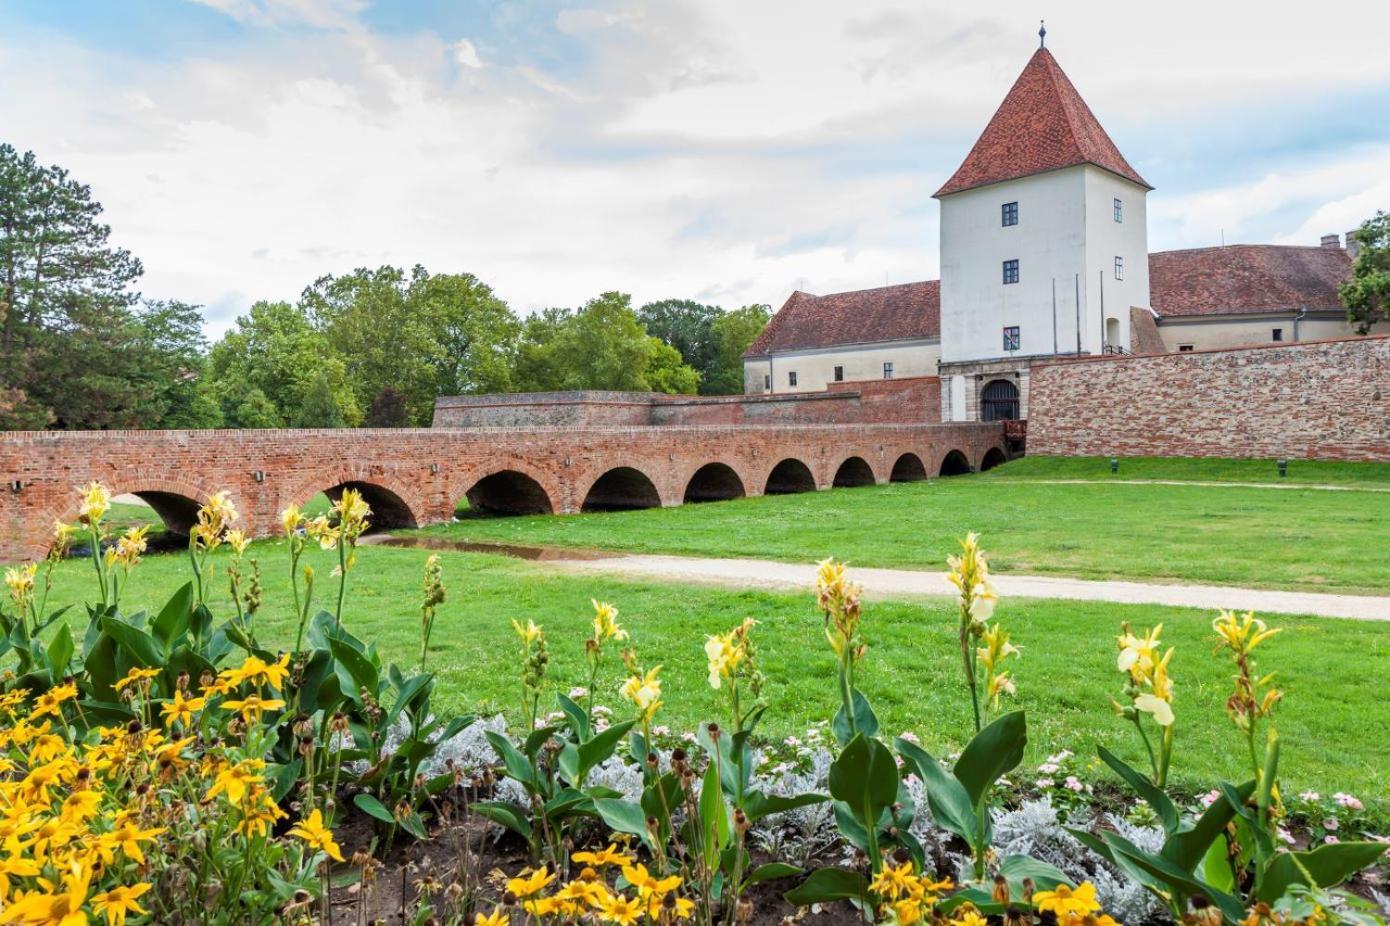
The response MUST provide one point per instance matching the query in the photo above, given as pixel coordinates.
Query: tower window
(1119, 268)
(1009, 213)
(1010, 271)
(887, 369)
(839, 374)
(1186, 348)
(791, 378)
(1012, 339)
(1119, 210)
(1278, 334)
(767, 382)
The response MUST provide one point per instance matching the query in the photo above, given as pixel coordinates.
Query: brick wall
(911, 400)
(1320, 400)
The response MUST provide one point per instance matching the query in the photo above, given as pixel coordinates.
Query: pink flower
(1330, 823)
(1285, 836)
(1331, 840)
(1048, 768)
(1045, 783)
(792, 741)
(1311, 796)
(688, 736)
(1347, 801)
(1211, 797)
(910, 736)
(1073, 784)
(661, 730)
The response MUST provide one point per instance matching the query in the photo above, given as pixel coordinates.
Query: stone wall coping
(1273, 345)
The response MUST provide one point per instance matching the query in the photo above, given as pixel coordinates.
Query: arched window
(999, 401)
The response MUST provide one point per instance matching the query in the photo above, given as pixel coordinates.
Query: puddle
(516, 551)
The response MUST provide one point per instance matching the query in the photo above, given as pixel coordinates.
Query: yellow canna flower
(530, 633)
(1242, 633)
(644, 692)
(313, 832)
(291, 519)
(96, 501)
(21, 583)
(606, 623)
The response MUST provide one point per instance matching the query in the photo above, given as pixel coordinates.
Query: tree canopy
(1367, 294)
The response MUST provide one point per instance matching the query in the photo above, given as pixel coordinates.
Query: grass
(1194, 469)
(1065, 676)
(1303, 539)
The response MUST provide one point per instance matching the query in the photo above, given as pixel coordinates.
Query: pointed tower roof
(1043, 124)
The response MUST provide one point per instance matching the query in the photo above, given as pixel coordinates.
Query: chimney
(1353, 245)
(1332, 241)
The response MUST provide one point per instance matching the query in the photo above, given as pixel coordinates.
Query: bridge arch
(908, 468)
(993, 457)
(622, 488)
(790, 476)
(393, 505)
(714, 482)
(509, 492)
(853, 472)
(173, 502)
(954, 463)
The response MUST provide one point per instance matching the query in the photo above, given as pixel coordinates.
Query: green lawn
(1335, 693)
(1193, 469)
(1276, 538)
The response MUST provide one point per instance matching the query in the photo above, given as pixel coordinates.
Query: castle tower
(1044, 246)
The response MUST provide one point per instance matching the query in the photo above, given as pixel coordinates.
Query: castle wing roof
(885, 313)
(1246, 278)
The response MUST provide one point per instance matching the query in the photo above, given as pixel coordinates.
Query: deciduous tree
(1367, 294)
(733, 333)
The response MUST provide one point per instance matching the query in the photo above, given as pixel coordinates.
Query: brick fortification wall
(915, 400)
(1321, 400)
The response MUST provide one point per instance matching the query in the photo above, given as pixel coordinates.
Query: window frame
(1119, 269)
(791, 377)
(1186, 348)
(1013, 338)
(1119, 211)
(838, 373)
(1008, 214)
(1011, 268)
(888, 369)
(1277, 335)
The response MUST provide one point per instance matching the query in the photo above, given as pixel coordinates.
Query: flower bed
(169, 768)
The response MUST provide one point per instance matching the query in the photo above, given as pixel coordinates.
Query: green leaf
(600, 747)
(140, 647)
(827, 884)
(576, 716)
(517, 765)
(1178, 881)
(1216, 867)
(865, 720)
(950, 803)
(60, 651)
(759, 805)
(771, 872)
(536, 740)
(173, 619)
(415, 826)
(1187, 847)
(1155, 798)
(509, 815)
(354, 671)
(1329, 865)
(624, 817)
(1045, 877)
(375, 808)
(996, 750)
(865, 777)
(715, 829)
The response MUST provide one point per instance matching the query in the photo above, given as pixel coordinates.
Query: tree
(244, 406)
(388, 409)
(600, 346)
(321, 408)
(67, 336)
(1367, 294)
(687, 326)
(733, 333)
(173, 367)
(275, 350)
(448, 334)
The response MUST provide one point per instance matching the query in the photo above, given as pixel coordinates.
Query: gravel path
(900, 583)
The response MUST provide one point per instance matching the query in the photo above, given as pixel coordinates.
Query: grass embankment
(1303, 539)
(1329, 668)
(1195, 469)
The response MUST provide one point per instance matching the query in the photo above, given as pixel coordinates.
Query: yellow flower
(648, 883)
(606, 622)
(968, 915)
(1138, 655)
(96, 501)
(130, 546)
(523, 887)
(237, 539)
(136, 676)
(118, 902)
(21, 583)
(181, 709)
(498, 917)
(644, 692)
(838, 599)
(235, 780)
(621, 910)
(1067, 901)
(54, 906)
(603, 858)
(48, 702)
(529, 634)
(259, 672)
(1241, 634)
(969, 573)
(259, 812)
(726, 652)
(290, 519)
(253, 706)
(127, 838)
(892, 883)
(313, 832)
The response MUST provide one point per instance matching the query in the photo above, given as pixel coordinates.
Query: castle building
(1044, 253)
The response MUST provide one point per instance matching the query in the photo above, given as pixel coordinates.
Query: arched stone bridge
(413, 477)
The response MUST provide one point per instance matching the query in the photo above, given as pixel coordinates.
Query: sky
(727, 151)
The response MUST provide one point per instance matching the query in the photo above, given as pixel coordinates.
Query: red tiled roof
(1043, 124)
(1243, 278)
(886, 313)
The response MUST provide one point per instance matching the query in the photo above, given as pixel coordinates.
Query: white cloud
(720, 149)
(466, 54)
